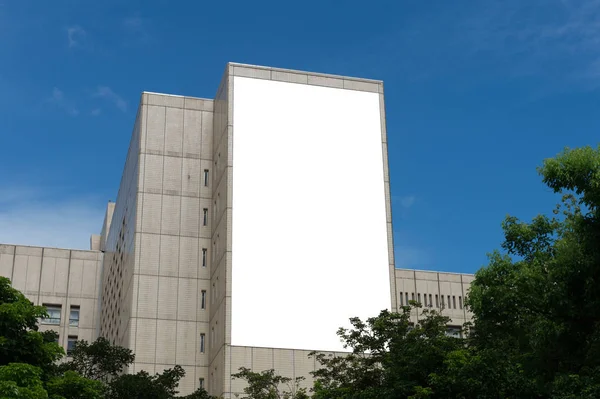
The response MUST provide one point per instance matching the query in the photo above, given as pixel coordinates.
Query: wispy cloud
(76, 36)
(29, 216)
(137, 30)
(412, 258)
(58, 99)
(108, 94)
(406, 201)
(96, 112)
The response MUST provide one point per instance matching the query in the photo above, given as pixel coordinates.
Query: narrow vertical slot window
(419, 298)
(202, 343)
(401, 301)
(204, 257)
(407, 299)
(449, 303)
(430, 301)
(437, 301)
(460, 302)
(205, 178)
(453, 301)
(203, 299)
(205, 217)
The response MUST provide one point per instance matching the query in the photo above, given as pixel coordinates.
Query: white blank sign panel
(309, 234)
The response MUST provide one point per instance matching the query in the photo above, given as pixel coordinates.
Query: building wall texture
(62, 278)
(159, 277)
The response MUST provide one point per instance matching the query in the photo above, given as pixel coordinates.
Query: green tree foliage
(537, 306)
(99, 360)
(71, 385)
(20, 340)
(21, 381)
(268, 385)
(390, 358)
(145, 386)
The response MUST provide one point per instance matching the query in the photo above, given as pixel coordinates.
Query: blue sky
(478, 93)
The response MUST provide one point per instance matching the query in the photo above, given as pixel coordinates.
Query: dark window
(407, 299)
(201, 383)
(203, 300)
(206, 177)
(419, 298)
(401, 301)
(430, 301)
(53, 314)
(205, 217)
(71, 343)
(74, 316)
(454, 302)
(203, 257)
(437, 301)
(202, 343)
(460, 302)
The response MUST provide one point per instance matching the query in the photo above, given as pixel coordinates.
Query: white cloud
(108, 94)
(58, 98)
(29, 217)
(76, 36)
(407, 201)
(96, 112)
(407, 257)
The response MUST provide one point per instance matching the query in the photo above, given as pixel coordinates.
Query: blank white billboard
(309, 224)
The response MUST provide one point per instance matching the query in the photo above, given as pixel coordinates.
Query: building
(239, 220)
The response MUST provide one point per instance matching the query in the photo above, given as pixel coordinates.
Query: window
(449, 303)
(203, 300)
(430, 301)
(205, 217)
(74, 316)
(201, 383)
(412, 295)
(437, 301)
(453, 301)
(424, 299)
(443, 304)
(53, 314)
(460, 302)
(419, 298)
(202, 338)
(407, 299)
(204, 257)
(205, 177)
(212, 294)
(212, 335)
(71, 343)
(454, 331)
(401, 301)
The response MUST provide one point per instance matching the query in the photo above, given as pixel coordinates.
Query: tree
(21, 381)
(71, 385)
(99, 360)
(536, 306)
(267, 385)
(390, 358)
(142, 385)
(20, 340)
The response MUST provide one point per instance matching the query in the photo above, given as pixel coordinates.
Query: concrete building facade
(234, 226)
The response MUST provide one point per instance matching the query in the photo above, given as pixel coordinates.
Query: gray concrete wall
(59, 277)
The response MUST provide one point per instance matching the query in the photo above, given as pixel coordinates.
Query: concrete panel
(262, 359)
(153, 173)
(172, 177)
(190, 177)
(192, 133)
(6, 264)
(151, 213)
(166, 100)
(186, 303)
(167, 292)
(145, 342)
(325, 81)
(170, 216)
(169, 256)
(188, 257)
(155, 130)
(149, 253)
(166, 344)
(147, 296)
(207, 135)
(187, 345)
(174, 131)
(190, 216)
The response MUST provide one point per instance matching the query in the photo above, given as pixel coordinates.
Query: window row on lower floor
(428, 300)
